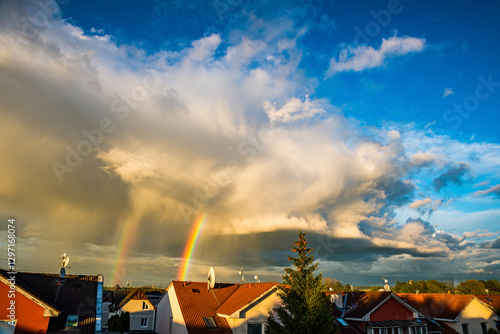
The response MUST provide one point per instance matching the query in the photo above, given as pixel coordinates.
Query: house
(133, 301)
(193, 308)
(47, 303)
(466, 314)
(376, 312)
(381, 312)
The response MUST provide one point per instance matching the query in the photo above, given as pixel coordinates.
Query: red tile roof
(359, 304)
(197, 302)
(438, 305)
(243, 296)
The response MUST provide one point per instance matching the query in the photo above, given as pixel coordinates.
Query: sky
(372, 126)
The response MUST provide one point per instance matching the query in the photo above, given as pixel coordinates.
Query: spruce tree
(304, 308)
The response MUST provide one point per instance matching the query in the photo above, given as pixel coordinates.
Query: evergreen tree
(304, 308)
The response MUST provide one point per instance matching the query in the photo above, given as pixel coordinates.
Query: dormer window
(72, 320)
(210, 322)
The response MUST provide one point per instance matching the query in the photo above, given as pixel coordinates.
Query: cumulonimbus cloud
(218, 127)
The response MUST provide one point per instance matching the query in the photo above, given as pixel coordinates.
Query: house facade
(376, 313)
(136, 303)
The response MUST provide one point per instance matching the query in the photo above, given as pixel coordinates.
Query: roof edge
(49, 310)
(247, 304)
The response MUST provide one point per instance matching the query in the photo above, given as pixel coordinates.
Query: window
(342, 322)
(145, 306)
(72, 320)
(210, 322)
(144, 322)
(417, 330)
(484, 327)
(254, 329)
(465, 329)
(195, 290)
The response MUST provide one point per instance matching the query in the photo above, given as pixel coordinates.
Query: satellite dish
(211, 278)
(62, 272)
(65, 261)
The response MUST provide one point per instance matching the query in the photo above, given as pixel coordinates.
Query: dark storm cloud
(399, 192)
(452, 175)
(493, 244)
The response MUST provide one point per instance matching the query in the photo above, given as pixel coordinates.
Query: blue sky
(371, 125)
(462, 43)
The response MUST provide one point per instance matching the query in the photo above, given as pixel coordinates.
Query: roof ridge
(238, 306)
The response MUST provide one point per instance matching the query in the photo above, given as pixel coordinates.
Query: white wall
(168, 307)
(135, 320)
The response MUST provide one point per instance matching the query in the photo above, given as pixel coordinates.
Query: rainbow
(124, 243)
(190, 246)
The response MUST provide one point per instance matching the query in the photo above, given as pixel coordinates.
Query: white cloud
(204, 48)
(422, 159)
(363, 57)
(448, 91)
(429, 124)
(294, 109)
(129, 167)
(426, 205)
(492, 190)
(420, 203)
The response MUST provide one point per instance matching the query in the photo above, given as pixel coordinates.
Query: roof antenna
(211, 278)
(240, 271)
(64, 265)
